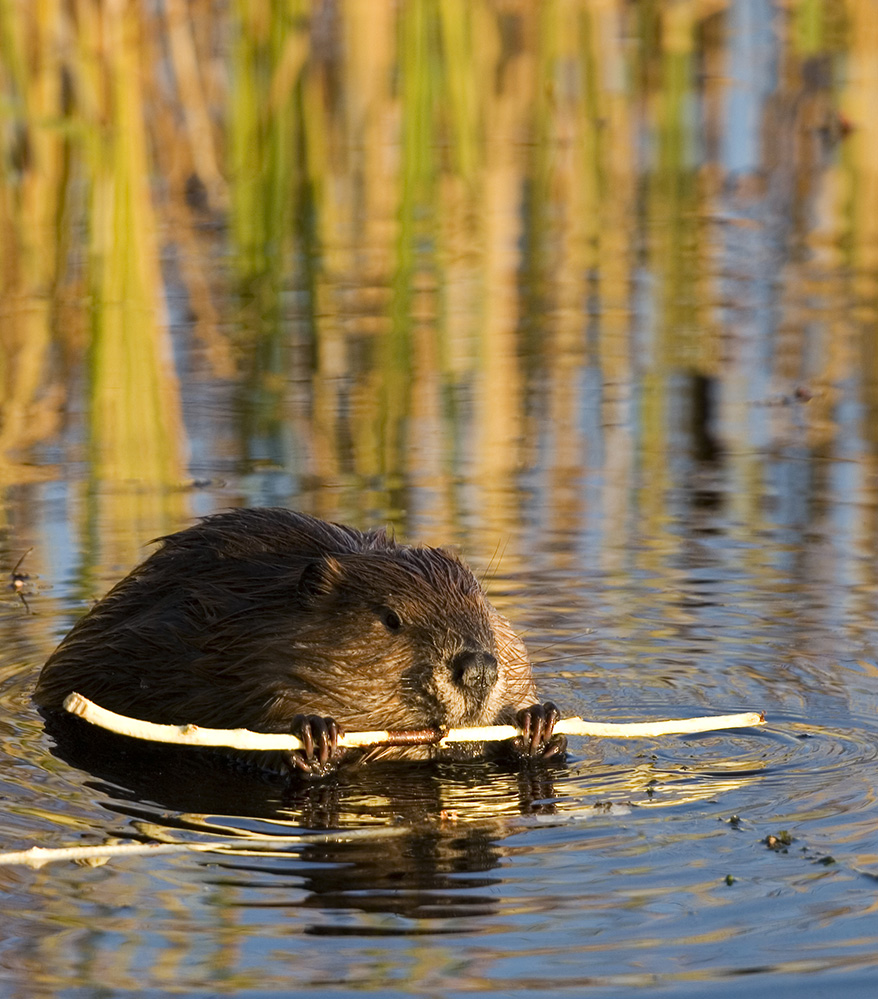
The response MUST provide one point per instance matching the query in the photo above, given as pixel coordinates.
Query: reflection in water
(453, 819)
(480, 849)
(423, 876)
(427, 259)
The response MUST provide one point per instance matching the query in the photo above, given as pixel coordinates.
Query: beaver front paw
(321, 752)
(537, 739)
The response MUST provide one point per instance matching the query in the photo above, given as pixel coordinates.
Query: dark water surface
(589, 291)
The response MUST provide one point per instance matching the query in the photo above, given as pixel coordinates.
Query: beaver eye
(390, 619)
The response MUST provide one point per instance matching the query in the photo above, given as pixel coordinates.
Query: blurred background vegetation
(477, 268)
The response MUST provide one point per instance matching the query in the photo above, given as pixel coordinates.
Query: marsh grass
(446, 190)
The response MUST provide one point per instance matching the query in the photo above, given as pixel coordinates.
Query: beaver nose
(475, 671)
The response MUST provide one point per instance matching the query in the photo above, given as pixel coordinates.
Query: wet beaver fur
(278, 622)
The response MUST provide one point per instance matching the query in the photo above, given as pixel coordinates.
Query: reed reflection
(459, 267)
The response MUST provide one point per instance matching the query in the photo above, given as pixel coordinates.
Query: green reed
(411, 204)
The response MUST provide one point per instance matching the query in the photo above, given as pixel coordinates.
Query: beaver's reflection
(453, 820)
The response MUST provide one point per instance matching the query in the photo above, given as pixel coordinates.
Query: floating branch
(242, 738)
(38, 856)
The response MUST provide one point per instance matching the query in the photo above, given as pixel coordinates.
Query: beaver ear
(319, 579)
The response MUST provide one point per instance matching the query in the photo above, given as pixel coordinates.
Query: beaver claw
(537, 739)
(320, 736)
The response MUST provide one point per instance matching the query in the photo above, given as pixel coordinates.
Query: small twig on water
(38, 856)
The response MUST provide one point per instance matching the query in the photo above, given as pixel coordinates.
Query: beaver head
(406, 635)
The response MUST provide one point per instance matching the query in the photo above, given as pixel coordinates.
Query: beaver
(276, 621)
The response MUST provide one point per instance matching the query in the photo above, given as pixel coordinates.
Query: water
(588, 292)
